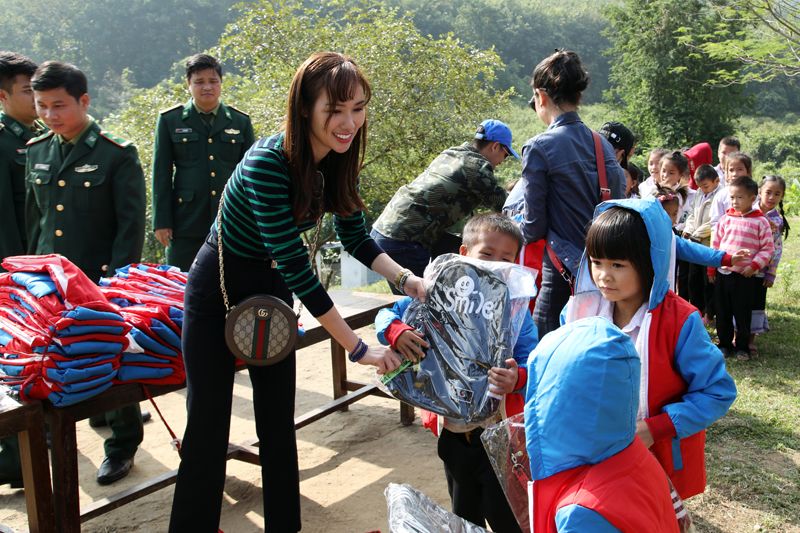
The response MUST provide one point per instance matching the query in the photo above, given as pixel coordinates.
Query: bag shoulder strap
(602, 179)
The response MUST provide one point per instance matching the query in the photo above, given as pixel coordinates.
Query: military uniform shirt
(192, 161)
(13, 137)
(88, 207)
(454, 184)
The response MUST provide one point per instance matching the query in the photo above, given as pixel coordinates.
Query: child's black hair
(747, 183)
(666, 194)
(742, 157)
(705, 172)
(490, 222)
(782, 182)
(620, 233)
(679, 160)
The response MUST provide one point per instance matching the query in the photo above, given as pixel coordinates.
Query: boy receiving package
(591, 472)
(736, 290)
(474, 490)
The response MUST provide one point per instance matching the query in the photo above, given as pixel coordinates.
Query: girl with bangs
(282, 187)
(625, 276)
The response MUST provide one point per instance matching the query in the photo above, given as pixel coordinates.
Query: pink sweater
(751, 231)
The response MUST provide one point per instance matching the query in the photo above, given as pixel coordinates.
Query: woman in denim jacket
(561, 187)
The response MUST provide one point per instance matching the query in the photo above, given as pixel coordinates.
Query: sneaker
(741, 355)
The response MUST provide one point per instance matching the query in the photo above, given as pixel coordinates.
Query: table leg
(36, 475)
(339, 368)
(65, 472)
(406, 414)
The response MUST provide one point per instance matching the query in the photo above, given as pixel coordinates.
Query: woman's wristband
(358, 352)
(402, 283)
(398, 279)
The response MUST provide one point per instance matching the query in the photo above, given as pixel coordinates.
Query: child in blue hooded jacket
(625, 276)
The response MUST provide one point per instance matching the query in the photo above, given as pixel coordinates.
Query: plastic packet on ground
(410, 511)
(505, 446)
(471, 319)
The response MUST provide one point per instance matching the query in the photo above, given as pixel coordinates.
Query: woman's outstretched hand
(381, 357)
(415, 288)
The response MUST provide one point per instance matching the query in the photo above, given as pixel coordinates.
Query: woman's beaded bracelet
(402, 283)
(403, 273)
(358, 352)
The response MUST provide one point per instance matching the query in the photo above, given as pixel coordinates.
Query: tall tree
(762, 36)
(663, 85)
(428, 93)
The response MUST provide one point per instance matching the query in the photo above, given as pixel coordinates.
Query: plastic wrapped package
(410, 511)
(471, 319)
(505, 446)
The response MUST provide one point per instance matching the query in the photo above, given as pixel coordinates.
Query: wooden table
(358, 310)
(27, 422)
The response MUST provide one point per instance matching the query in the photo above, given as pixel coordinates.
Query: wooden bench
(27, 422)
(358, 310)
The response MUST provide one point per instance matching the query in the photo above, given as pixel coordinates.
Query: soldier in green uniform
(198, 144)
(412, 228)
(18, 125)
(85, 200)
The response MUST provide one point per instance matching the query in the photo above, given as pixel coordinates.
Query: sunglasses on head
(532, 101)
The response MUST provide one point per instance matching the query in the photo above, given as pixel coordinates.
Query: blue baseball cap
(496, 131)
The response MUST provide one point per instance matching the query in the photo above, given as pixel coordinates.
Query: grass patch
(753, 453)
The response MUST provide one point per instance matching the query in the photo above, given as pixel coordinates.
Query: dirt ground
(346, 461)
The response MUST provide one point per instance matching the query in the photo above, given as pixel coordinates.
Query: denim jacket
(559, 172)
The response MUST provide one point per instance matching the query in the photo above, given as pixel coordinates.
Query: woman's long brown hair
(338, 76)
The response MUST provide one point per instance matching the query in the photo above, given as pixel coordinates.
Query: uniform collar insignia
(85, 168)
(17, 129)
(183, 130)
(41, 166)
(91, 139)
(231, 131)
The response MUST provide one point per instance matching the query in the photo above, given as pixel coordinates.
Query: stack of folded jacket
(150, 299)
(60, 339)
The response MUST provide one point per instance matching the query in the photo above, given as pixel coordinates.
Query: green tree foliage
(762, 36)
(119, 44)
(428, 93)
(522, 32)
(663, 85)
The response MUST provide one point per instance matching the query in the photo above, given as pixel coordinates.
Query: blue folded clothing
(74, 331)
(72, 375)
(36, 283)
(151, 345)
(84, 313)
(133, 373)
(85, 348)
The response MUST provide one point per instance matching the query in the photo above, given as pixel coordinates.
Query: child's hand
(769, 282)
(410, 344)
(748, 272)
(741, 255)
(643, 432)
(503, 380)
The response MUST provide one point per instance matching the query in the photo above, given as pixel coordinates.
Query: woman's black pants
(197, 503)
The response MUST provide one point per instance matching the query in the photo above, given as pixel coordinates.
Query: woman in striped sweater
(284, 184)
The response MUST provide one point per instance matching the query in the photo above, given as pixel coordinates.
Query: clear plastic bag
(505, 446)
(471, 319)
(410, 511)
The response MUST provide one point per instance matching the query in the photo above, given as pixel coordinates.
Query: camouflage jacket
(454, 184)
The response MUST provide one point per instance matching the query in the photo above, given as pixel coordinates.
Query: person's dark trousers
(127, 431)
(10, 466)
(698, 286)
(735, 295)
(197, 502)
(683, 279)
(553, 296)
(182, 251)
(408, 254)
(474, 490)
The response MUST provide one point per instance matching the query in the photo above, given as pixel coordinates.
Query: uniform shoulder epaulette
(2, 126)
(167, 110)
(119, 141)
(40, 138)
(237, 110)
